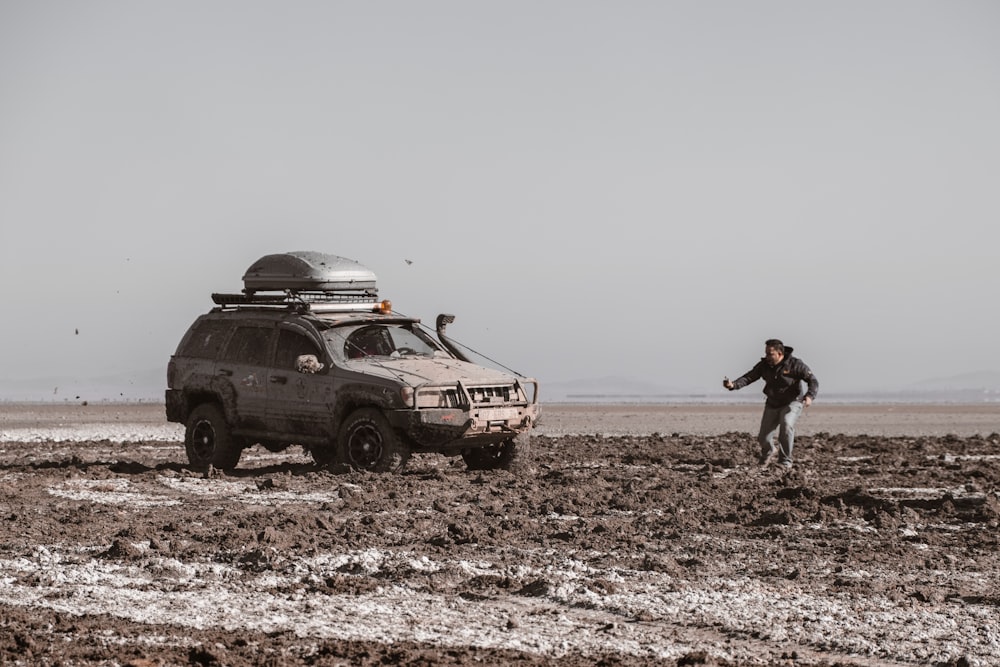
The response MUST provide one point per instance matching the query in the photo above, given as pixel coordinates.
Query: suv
(308, 355)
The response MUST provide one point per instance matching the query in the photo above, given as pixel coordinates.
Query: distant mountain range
(968, 387)
(978, 380)
(149, 385)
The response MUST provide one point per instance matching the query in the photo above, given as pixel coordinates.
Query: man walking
(783, 376)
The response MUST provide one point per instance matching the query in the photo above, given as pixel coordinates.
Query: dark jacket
(782, 383)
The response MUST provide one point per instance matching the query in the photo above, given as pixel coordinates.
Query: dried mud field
(638, 535)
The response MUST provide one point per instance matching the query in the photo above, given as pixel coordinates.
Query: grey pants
(780, 423)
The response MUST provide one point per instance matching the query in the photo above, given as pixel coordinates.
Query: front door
(298, 398)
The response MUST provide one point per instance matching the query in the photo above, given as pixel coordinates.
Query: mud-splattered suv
(308, 355)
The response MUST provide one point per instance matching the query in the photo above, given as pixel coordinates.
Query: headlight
(406, 393)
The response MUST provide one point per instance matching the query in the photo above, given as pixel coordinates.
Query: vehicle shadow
(126, 467)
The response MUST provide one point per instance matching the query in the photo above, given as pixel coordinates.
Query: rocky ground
(629, 542)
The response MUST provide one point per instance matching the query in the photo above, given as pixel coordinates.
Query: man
(783, 376)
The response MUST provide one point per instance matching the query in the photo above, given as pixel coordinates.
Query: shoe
(765, 461)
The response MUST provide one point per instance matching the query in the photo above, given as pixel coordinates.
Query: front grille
(453, 397)
(490, 395)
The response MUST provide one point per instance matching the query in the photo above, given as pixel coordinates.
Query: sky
(636, 189)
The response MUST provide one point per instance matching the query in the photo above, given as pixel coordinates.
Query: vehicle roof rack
(302, 300)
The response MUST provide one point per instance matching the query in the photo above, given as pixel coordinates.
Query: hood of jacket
(788, 355)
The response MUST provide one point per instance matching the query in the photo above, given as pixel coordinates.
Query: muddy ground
(625, 544)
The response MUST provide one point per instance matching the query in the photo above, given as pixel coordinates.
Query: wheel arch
(222, 395)
(351, 399)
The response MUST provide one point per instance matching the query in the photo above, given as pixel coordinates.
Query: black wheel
(507, 455)
(208, 441)
(367, 442)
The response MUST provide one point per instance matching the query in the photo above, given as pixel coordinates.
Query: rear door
(244, 362)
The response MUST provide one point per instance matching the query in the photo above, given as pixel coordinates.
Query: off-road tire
(367, 442)
(512, 454)
(208, 441)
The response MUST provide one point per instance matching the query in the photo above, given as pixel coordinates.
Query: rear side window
(206, 340)
(249, 345)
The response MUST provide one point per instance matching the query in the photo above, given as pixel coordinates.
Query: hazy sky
(636, 189)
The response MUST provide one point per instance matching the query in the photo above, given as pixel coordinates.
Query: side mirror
(308, 363)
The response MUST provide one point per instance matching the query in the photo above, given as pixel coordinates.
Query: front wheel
(207, 439)
(506, 455)
(367, 442)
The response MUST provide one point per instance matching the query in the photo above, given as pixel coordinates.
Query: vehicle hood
(421, 370)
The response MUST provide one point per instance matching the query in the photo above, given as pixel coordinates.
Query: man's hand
(807, 401)
(727, 383)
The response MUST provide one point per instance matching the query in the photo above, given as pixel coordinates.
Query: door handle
(225, 371)
(279, 379)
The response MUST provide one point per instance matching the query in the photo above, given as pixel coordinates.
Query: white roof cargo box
(307, 271)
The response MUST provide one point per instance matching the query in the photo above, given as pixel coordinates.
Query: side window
(206, 340)
(290, 346)
(249, 345)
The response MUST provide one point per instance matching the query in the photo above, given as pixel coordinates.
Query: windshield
(379, 340)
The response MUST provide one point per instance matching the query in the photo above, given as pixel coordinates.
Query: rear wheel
(207, 439)
(367, 442)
